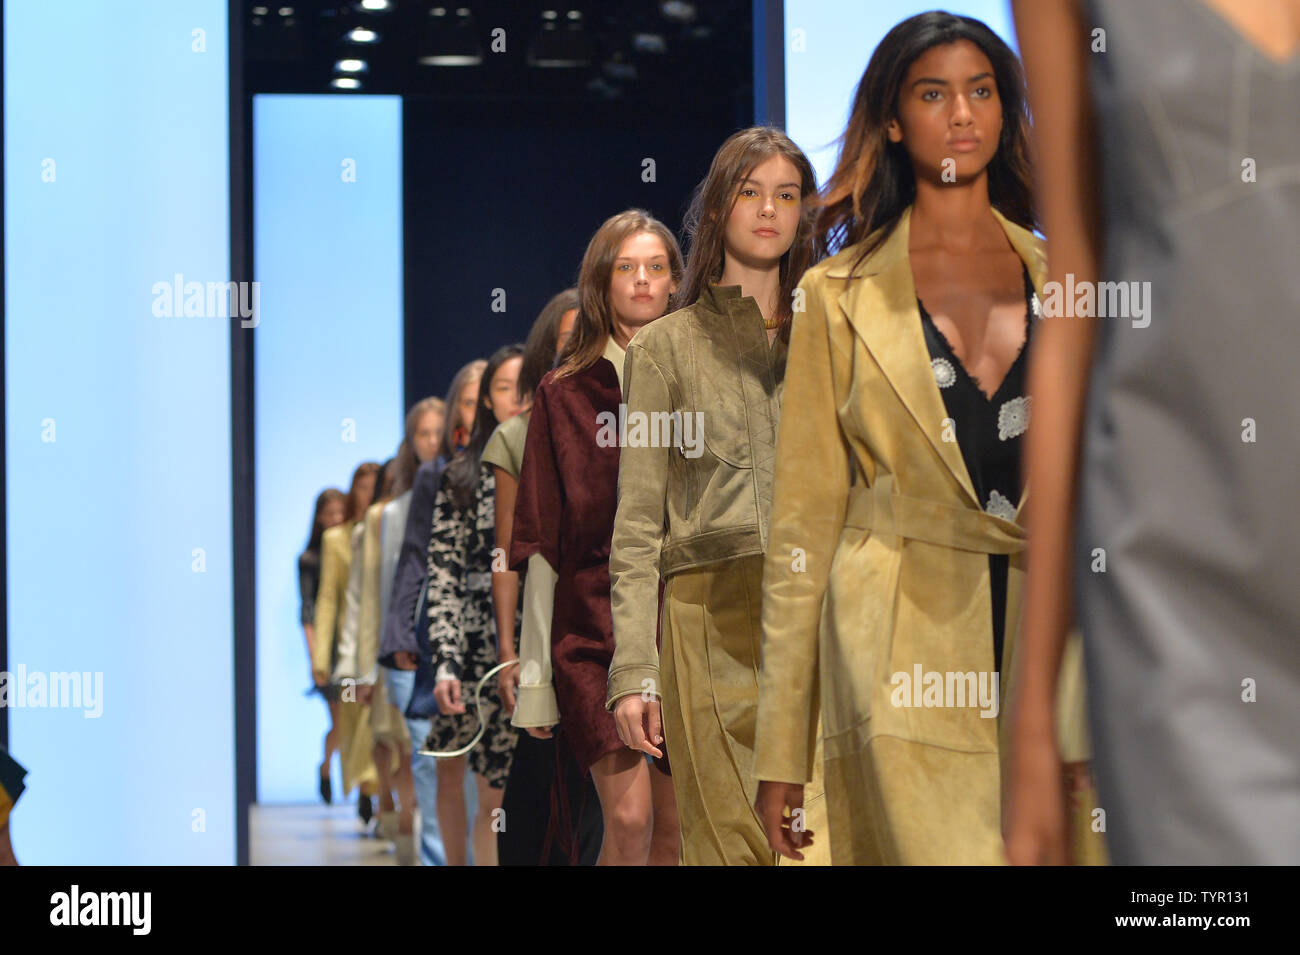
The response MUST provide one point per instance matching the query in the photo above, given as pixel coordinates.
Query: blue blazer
(408, 579)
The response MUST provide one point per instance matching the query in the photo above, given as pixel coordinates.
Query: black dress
(308, 583)
(989, 433)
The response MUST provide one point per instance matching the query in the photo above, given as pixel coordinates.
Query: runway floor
(314, 835)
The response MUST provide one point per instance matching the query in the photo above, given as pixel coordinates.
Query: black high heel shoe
(326, 793)
(365, 808)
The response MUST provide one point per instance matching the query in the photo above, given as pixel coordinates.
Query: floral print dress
(989, 432)
(462, 627)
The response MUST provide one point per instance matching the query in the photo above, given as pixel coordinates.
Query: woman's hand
(320, 677)
(640, 724)
(507, 683)
(540, 732)
(447, 693)
(365, 693)
(406, 660)
(1035, 826)
(786, 835)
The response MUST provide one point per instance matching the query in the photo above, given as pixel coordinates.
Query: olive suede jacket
(703, 394)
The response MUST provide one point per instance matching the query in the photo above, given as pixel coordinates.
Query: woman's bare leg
(405, 784)
(383, 757)
(666, 840)
(622, 781)
(485, 838)
(451, 809)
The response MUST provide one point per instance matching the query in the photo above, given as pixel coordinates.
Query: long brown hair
(595, 321)
(873, 182)
(705, 225)
(323, 500)
(357, 504)
(384, 482)
(406, 461)
(463, 473)
(539, 349)
(452, 417)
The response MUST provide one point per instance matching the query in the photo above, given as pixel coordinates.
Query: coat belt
(882, 511)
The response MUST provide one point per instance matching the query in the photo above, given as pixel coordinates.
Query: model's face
(641, 281)
(427, 431)
(503, 391)
(467, 403)
(949, 113)
(332, 514)
(564, 330)
(765, 217)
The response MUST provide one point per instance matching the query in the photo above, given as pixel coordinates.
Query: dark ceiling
(656, 54)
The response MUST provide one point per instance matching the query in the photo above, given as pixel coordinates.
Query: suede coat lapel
(880, 304)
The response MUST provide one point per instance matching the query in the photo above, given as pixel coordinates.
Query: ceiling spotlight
(345, 83)
(617, 68)
(361, 35)
(351, 66)
(677, 10)
(604, 90)
(450, 41)
(649, 43)
(375, 6)
(277, 34)
(565, 46)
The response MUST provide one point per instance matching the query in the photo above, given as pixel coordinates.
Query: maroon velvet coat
(568, 488)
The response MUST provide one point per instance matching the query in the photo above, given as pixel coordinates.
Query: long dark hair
(407, 463)
(705, 225)
(323, 500)
(357, 503)
(384, 482)
(451, 418)
(539, 350)
(463, 472)
(595, 322)
(873, 182)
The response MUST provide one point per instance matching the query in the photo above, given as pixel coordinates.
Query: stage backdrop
(327, 240)
(120, 688)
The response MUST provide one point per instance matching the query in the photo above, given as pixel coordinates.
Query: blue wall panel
(327, 218)
(118, 431)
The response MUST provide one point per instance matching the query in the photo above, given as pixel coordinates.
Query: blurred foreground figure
(1169, 413)
(11, 787)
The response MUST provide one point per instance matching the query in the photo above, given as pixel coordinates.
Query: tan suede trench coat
(877, 566)
(335, 649)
